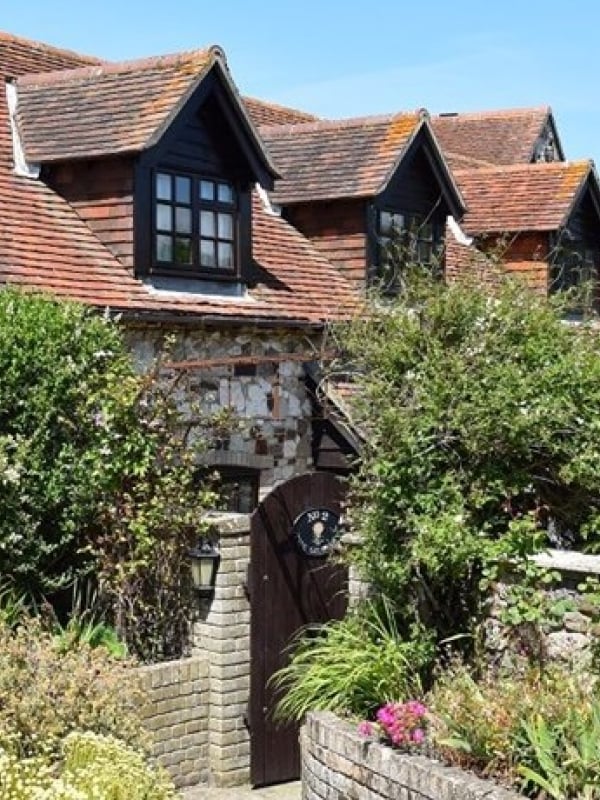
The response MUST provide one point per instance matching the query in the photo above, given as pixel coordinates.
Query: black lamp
(204, 561)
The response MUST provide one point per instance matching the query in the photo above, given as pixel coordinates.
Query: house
(349, 185)
(131, 187)
(152, 190)
(537, 214)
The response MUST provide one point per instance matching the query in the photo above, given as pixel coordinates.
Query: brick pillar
(222, 634)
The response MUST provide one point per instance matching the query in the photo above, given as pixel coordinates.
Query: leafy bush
(564, 760)
(92, 767)
(492, 725)
(98, 475)
(480, 413)
(101, 766)
(46, 692)
(349, 666)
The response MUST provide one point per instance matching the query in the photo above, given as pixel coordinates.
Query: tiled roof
(496, 137)
(521, 197)
(46, 246)
(342, 158)
(19, 56)
(105, 109)
(263, 113)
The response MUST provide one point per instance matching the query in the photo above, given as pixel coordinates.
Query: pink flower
(418, 736)
(366, 728)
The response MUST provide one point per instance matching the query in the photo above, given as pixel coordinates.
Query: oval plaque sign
(316, 530)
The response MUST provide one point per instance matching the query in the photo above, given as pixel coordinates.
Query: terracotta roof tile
(45, 246)
(521, 197)
(497, 137)
(263, 113)
(105, 109)
(343, 158)
(19, 56)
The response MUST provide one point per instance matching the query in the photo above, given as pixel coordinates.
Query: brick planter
(339, 764)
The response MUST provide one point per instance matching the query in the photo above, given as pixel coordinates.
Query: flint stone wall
(268, 397)
(569, 639)
(340, 764)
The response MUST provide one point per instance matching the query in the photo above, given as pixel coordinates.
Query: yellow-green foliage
(46, 692)
(94, 768)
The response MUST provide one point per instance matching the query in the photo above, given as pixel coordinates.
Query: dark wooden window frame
(413, 223)
(230, 474)
(196, 204)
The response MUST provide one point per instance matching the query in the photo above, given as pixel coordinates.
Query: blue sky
(348, 58)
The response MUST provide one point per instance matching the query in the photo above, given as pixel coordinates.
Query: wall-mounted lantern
(204, 560)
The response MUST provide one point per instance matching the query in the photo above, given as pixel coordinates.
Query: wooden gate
(292, 583)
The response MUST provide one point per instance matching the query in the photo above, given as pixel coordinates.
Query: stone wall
(259, 375)
(175, 713)
(569, 636)
(340, 764)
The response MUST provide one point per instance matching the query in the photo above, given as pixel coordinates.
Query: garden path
(283, 791)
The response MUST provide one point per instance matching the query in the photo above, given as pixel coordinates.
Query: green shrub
(97, 473)
(46, 692)
(492, 725)
(351, 666)
(103, 767)
(92, 767)
(481, 418)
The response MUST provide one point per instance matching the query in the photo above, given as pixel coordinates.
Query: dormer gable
(342, 179)
(161, 148)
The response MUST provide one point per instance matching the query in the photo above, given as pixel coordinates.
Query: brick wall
(222, 636)
(339, 764)
(175, 713)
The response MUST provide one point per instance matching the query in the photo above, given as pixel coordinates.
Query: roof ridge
(281, 107)
(117, 67)
(498, 112)
(344, 122)
(11, 37)
(539, 165)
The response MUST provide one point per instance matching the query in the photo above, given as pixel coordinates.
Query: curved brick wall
(339, 764)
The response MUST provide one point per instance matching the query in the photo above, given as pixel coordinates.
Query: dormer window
(195, 225)
(401, 239)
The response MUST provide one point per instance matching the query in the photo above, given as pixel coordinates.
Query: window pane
(207, 223)
(426, 231)
(225, 252)
(183, 220)
(225, 226)
(389, 221)
(225, 193)
(183, 250)
(424, 252)
(164, 248)
(164, 219)
(163, 186)
(183, 189)
(207, 190)
(207, 253)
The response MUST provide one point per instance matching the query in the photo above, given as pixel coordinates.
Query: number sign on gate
(316, 530)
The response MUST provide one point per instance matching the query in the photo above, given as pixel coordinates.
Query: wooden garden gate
(292, 582)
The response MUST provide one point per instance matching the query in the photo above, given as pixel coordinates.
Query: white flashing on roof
(458, 233)
(269, 207)
(22, 166)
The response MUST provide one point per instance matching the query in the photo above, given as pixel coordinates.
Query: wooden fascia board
(213, 81)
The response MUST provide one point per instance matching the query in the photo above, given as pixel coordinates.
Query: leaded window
(195, 223)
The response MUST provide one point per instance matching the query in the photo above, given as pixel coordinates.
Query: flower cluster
(402, 724)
